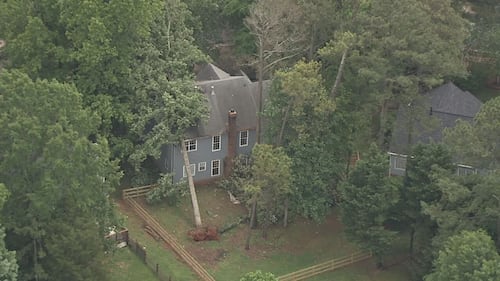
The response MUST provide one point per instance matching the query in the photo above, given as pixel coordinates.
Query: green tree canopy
(420, 187)
(468, 256)
(366, 199)
(467, 203)
(478, 143)
(53, 163)
(271, 180)
(397, 51)
(303, 120)
(8, 264)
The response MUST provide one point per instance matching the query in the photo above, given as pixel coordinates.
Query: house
(229, 130)
(438, 109)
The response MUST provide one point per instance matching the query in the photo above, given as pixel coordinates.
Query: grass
(125, 266)
(157, 251)
(301, 244)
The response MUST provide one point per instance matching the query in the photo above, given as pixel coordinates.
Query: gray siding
(252, 138)
(172, 161)
(203, 153)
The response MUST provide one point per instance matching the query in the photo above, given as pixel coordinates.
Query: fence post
(156, 269)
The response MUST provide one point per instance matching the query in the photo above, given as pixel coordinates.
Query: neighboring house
(229, 130)
(439, 109)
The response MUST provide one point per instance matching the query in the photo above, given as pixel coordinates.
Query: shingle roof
(211, 72)
(223, 94)
(440, 108)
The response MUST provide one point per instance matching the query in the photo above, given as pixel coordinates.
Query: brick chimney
(231, 142)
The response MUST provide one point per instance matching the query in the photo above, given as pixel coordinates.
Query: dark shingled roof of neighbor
(444, 105)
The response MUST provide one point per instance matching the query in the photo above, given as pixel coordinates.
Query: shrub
(167, 190)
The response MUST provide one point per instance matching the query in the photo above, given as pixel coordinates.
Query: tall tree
(400, 50)
(366, 199)
(166, 102)
(53, 163)
(279, 36)
(122, 56)
(303, 120)
(467, 256)
(418, 187)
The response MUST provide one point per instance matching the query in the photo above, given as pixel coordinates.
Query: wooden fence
(324, 267)
(135, 192)
(170, 240)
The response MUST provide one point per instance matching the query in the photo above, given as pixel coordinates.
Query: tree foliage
(469, 255)
(420, 187)
(51, 167)
(8, 264)
(397, 50)
(467, 203)
(270, 182)
(258, 276)
(366, 200)
(131, 60)
(303, 120)
(477, 143)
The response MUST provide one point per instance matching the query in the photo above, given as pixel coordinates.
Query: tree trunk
(260, 77)
(412, 239)
(498, 232)
(283, 123)
(382, 123)
(35, 260)
(192, 190)
(285, 217)
(333, 92)
(311, 44)
(251, 223)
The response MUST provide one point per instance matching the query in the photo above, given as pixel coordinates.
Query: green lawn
(123, 265)
(157, 252)
(302, 244)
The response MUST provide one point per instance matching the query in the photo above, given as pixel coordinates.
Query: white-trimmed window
(463, 170)
(202, 166)
(192, 168)
(216, 143)
(191, 145)
(215, 168)
(244, 138)
(400, 163)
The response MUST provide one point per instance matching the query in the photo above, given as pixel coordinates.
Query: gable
(439, 109)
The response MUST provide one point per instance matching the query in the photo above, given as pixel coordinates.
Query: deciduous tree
(279, 36)
(269, 184)
(469, 255)
(53, 163)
